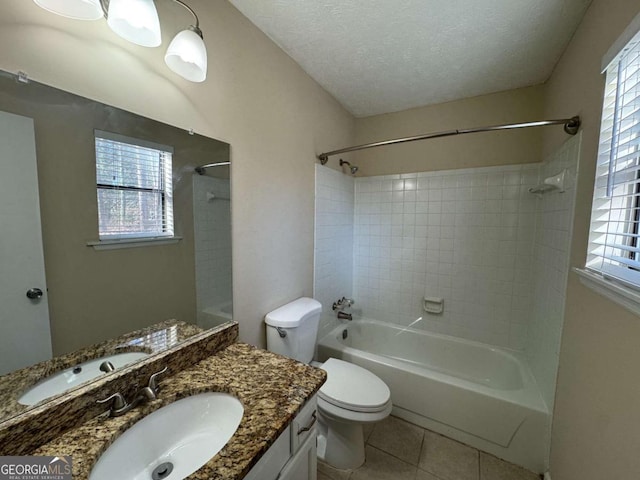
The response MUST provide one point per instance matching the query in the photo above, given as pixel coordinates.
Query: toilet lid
(353, 388)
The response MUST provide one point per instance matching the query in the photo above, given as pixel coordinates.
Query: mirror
(60, 288)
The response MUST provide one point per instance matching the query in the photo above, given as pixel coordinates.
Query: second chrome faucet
(119, 405)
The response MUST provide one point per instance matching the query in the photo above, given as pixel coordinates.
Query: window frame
(165, 191)
(623, 291)
(611, 250)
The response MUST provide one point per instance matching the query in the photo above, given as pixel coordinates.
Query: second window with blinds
(614, 241)
(134, 187)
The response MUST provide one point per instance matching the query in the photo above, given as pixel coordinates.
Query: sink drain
(162, 471)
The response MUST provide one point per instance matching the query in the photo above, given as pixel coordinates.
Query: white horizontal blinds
(614, 243)
(134, 187)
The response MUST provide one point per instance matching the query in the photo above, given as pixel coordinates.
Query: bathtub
(478, 394)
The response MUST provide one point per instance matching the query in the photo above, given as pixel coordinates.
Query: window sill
(616, 292)
(132, 243)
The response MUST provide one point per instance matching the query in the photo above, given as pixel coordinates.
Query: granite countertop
(153, 339)
(271, 388)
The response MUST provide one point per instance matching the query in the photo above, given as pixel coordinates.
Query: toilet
(351, 396)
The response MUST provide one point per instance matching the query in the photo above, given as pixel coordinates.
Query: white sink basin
(179, 438)
(64, 380)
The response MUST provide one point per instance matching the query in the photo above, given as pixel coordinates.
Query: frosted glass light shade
(76, 9)
(136, 21)
(187, 56)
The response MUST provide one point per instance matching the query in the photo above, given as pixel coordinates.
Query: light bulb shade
(136, 21)
(187, 56)
(76, 9)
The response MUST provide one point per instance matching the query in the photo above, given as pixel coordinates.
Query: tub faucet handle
(342, 303)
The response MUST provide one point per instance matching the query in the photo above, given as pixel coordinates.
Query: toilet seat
(342, 415)
(353, 388)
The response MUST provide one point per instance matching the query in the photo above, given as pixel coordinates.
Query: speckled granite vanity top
(271, 388)
(153, 339)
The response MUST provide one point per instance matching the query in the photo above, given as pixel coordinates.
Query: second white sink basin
(172, 442)
(67, 379)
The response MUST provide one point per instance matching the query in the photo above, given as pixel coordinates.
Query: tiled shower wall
(333, 272)
(212, 232)
(553, 240)
(466, 236)
(498, 255)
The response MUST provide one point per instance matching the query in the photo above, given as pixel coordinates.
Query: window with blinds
(134, 187)
(614, 242)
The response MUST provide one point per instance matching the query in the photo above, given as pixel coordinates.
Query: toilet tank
(299, 321)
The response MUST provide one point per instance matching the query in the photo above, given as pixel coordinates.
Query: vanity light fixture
(76, 9)
(137, 21)
(187, 53)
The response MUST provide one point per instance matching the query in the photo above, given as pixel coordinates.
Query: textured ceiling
(379, 56)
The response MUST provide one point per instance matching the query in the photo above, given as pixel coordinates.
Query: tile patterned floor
(398, 450)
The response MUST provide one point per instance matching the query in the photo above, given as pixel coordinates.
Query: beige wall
(256, 98)
(472, 150)
(596, 430)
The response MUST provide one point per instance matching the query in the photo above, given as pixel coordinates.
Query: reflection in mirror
(64, 380)
(60, 294)
(212, 224)
(41, 382)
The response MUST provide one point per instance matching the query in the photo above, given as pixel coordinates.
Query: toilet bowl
(351, 396)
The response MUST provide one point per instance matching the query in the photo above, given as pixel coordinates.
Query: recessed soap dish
(554, 183)
(433, 305)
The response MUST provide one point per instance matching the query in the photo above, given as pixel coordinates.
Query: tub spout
(345, 316)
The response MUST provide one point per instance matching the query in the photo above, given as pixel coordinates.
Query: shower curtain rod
(571, 126)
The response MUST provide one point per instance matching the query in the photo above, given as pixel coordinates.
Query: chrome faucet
(345, 316)
(120, 406)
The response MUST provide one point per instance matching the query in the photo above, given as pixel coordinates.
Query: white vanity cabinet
(293, 455)
(304, 464)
